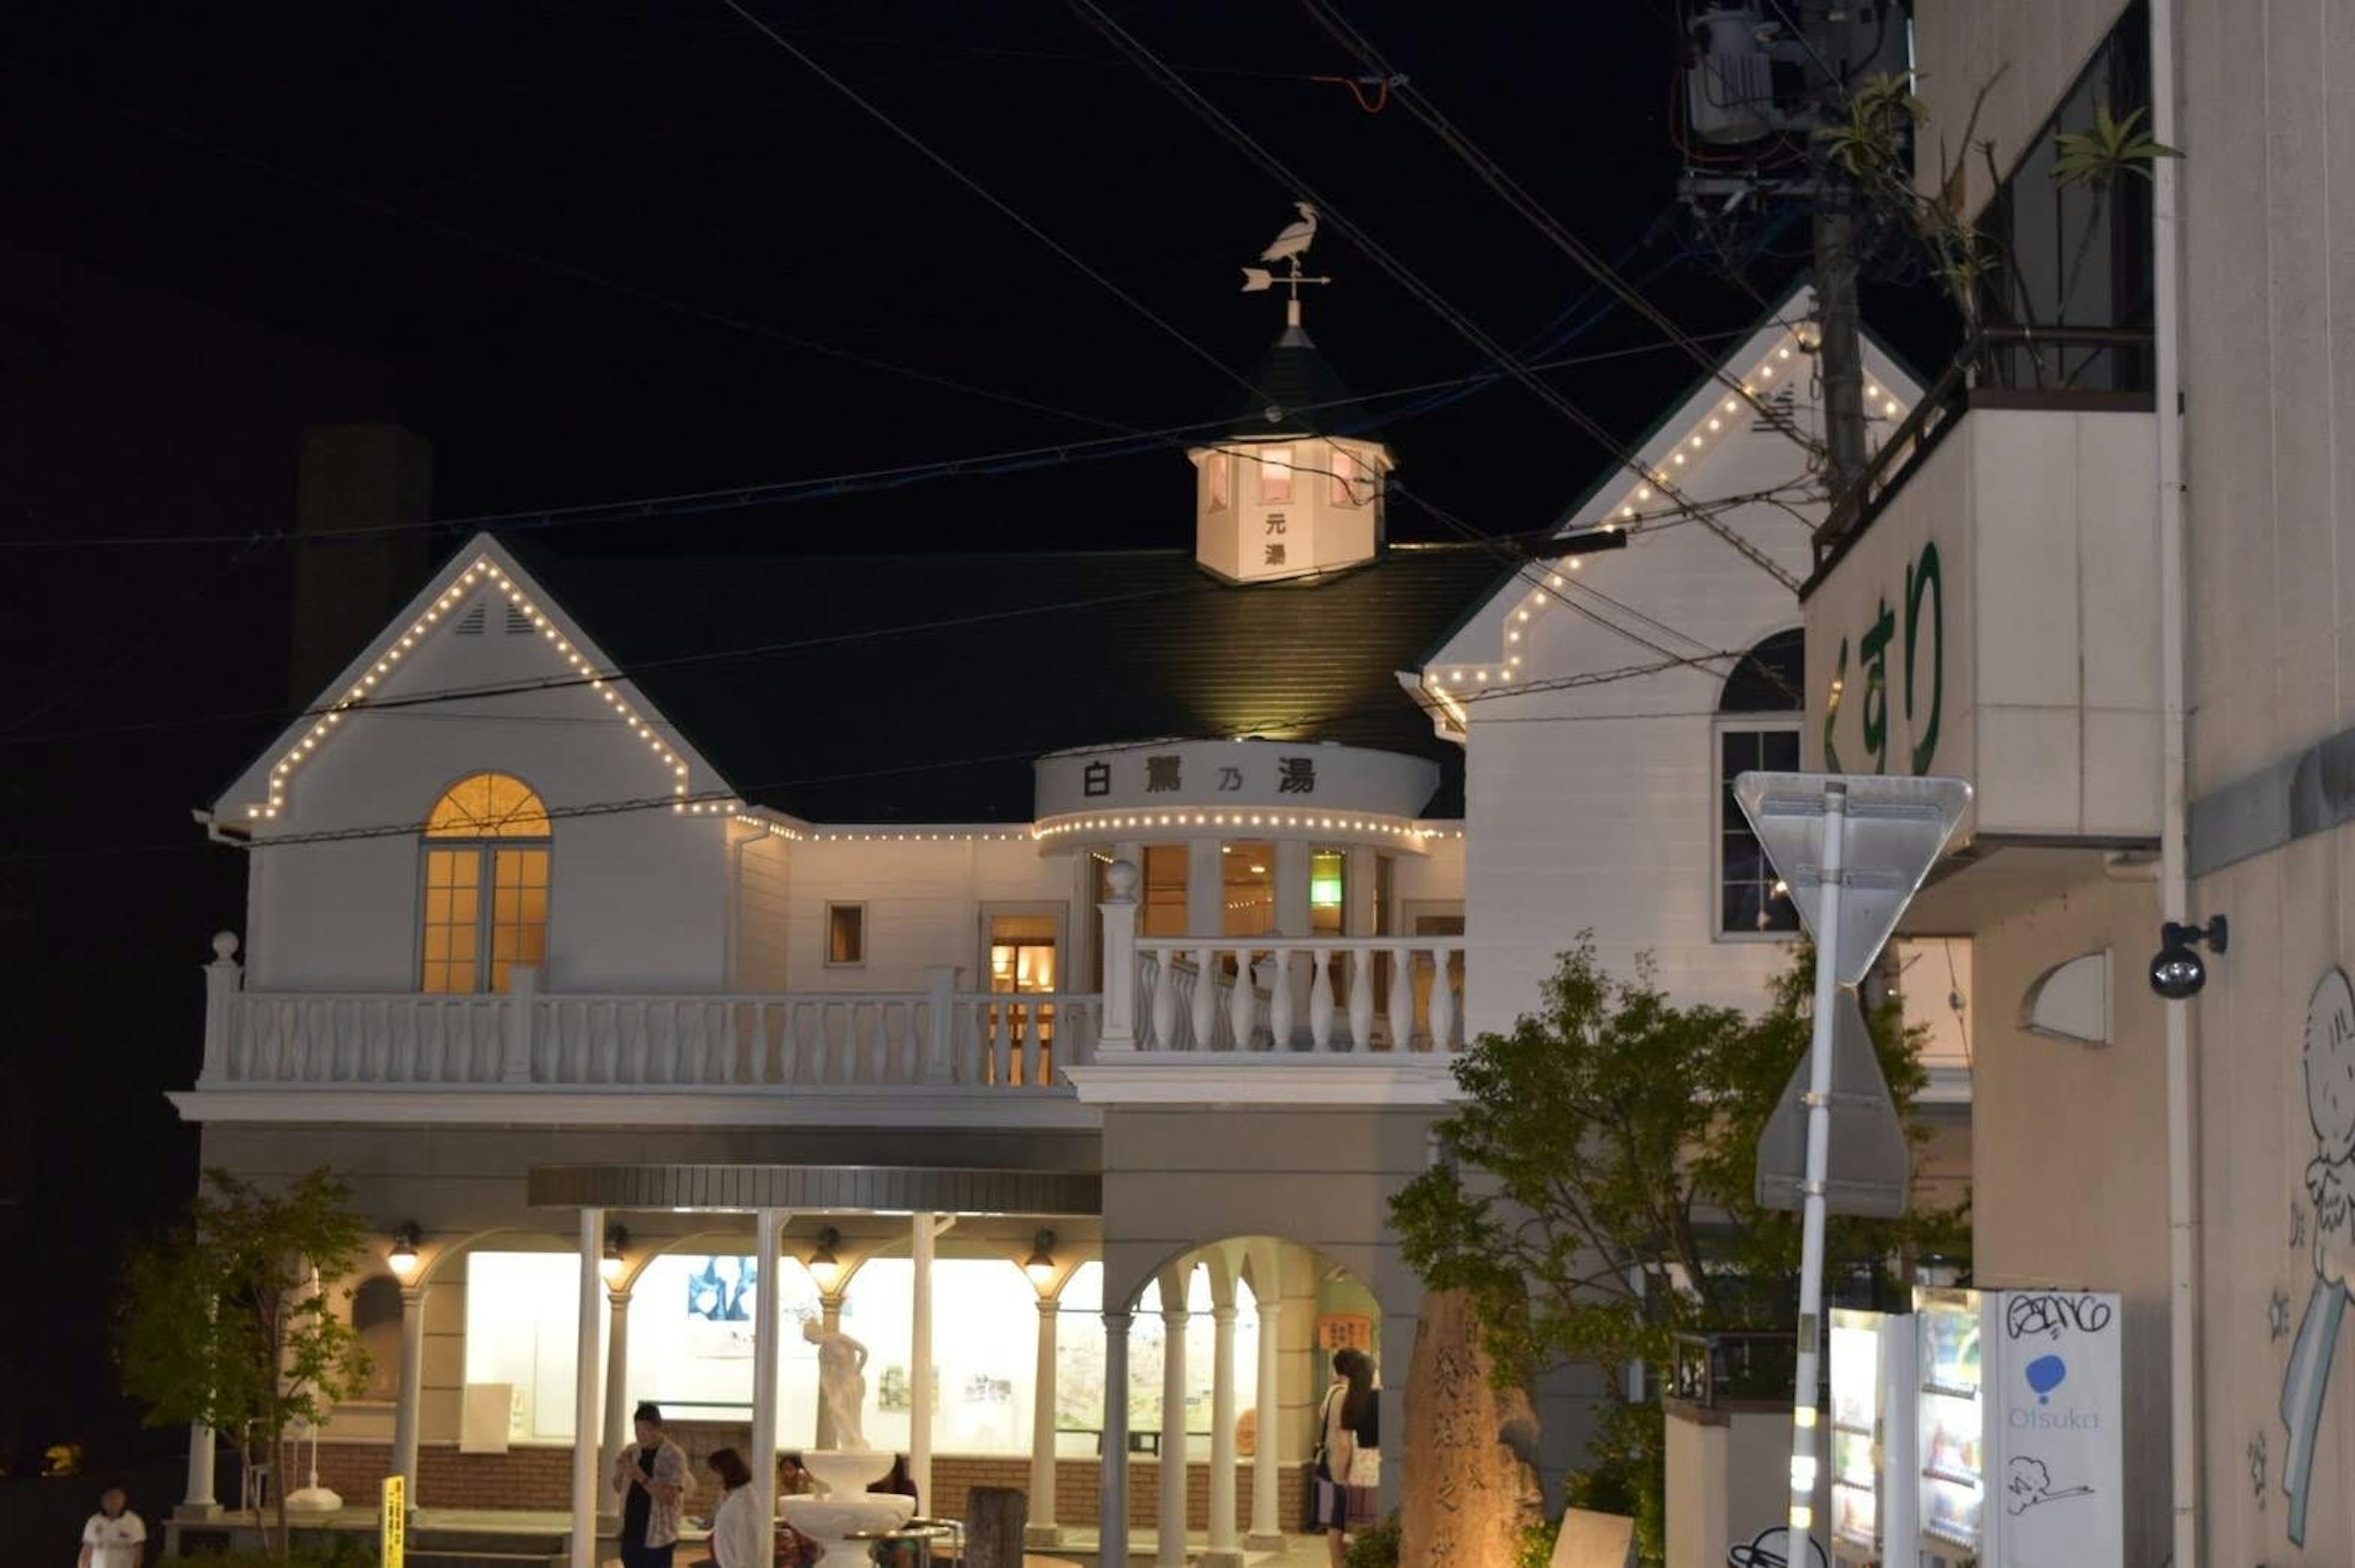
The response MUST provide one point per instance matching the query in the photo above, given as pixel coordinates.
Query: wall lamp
(1040, 1264)
(609, 1266)
(403, 1259)
(825, 1267)
(2178, 972)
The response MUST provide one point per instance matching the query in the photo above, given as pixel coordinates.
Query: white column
(920, 1370)
(1225, 1549)
(1267, 1458)
(1111, 1481)
(763, 1457)
(1206, 892)
(1172, 1552)
(585, 1404)
(617, 1393)
(199, 1503)
(1042, 1530)
(412, 1381)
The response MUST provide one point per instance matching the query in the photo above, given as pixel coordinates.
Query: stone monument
(1471, 1477)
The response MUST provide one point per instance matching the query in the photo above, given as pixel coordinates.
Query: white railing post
(1206, 997)
(1401, 1007)
(1442, 999)
(940, 1008)
(1119, 910)
(223, 979)
(1320, 1001)
(1279, 1001)
(1165, 1000)
(523, 990)
(1241, 1002)
(1361, 999)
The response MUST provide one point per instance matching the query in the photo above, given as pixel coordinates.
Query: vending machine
(2019, 1429)
(1873, 1494)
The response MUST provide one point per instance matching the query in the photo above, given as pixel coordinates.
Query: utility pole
(1840, 356)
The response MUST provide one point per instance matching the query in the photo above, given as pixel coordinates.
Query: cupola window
(1275, 476)
(1218, 478)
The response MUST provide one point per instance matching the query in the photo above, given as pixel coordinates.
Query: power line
(1521, 200)
(507, 251)
(1405, 277)
(784, 492)
(991, 198)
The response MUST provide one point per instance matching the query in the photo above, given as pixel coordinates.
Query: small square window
(845, 934)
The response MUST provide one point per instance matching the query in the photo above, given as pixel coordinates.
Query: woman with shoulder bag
(1347, 1447)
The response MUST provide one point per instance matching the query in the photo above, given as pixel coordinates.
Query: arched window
(486, 863)
(1757, 730)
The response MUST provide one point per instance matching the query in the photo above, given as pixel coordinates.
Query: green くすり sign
(1918, 646)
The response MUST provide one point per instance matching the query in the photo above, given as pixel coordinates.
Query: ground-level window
(487, 855)
(1080, 1363)
(1247, 889)
(1751, 898)
(1165, 890)
(846, 935)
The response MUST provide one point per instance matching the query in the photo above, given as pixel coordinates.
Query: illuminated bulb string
(1627, 515)
(485, 570)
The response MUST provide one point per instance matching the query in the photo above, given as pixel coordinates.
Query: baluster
(1031, 1043)
(789, 1041)
(1320, 1000)
(403, 1068)
(1279, 1001)
(1401, 1008)
(341, 1053)
(434, 1042)
(831, 1051)
(1443, 1003)
(298, 1043)
(662, 1043)
(637, 1040)
(1240, 1002)
(1206, 998)
(1362, 1000)
(604, 1030)
(1164, 1001)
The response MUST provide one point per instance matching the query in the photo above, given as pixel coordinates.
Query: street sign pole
(1804, 1415)
(1852, 850)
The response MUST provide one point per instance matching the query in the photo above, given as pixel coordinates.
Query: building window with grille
(487, 859)
(1758, 731)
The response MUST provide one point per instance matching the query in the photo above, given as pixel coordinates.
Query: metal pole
(1804, 1379)
(765, 1329)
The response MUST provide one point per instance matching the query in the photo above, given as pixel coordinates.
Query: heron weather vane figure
(1287, 248)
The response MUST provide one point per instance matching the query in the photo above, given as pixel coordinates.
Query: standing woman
(652, 1478)
(1348, 1445)
(735, 1524)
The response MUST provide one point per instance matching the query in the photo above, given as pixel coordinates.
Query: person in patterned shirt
(114, 1537)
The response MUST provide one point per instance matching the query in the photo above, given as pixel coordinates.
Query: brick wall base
(541, 1478)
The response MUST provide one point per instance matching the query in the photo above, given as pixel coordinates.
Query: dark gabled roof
(990, 661)
(1292, 377)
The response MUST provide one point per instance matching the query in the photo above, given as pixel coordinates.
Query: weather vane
(1288, 247)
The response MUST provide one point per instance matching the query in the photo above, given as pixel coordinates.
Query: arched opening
(1758, 731)
(486, 863)
(376, 1318)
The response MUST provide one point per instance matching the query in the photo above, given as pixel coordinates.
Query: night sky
(572, 244)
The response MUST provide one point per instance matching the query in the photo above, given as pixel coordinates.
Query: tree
(1596, 1196)
(227, 1320)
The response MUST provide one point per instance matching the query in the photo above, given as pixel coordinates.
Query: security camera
(2177, 974)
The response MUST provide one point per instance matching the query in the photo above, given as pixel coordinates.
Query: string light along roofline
(487, 574)
(1716, 419)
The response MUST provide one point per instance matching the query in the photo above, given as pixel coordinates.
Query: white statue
(841, 1383)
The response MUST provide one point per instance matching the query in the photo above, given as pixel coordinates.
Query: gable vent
(470, 625)
(519, 621)
(1781, 415)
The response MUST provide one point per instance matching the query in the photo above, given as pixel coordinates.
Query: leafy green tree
(1596, 1196)
(227, 1319)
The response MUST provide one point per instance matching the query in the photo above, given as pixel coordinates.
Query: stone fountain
(846, 1470)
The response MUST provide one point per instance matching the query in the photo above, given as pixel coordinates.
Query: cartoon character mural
(2330, 1185)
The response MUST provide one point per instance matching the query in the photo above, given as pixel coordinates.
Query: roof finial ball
(1121, 878)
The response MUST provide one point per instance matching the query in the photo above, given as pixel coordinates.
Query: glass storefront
(690, 1328)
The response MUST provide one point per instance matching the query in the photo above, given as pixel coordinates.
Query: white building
(634, 923)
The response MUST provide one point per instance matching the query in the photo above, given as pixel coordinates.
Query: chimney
(354, 480)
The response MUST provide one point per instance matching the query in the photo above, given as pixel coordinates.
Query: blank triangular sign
(1869, 1168)
(1897, 828)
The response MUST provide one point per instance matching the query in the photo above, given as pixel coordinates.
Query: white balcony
(1986, 601)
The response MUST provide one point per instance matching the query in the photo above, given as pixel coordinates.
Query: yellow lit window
(486, 872)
